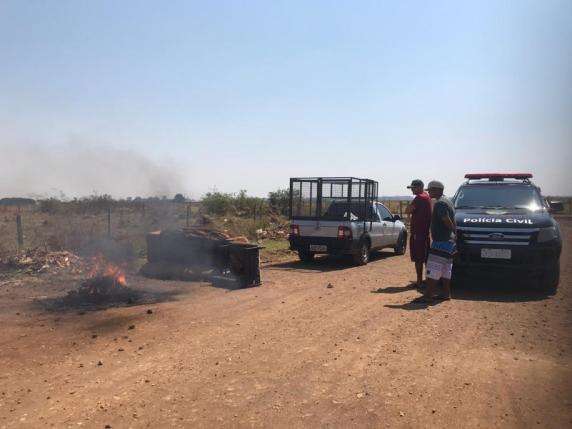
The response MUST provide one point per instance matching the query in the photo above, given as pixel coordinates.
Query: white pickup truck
(341, 215)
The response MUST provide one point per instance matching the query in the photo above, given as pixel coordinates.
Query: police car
(505, 227)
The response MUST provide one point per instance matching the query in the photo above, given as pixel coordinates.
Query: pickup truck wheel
(362, 257)
(401, 244)
(305, 256)
(550, 278)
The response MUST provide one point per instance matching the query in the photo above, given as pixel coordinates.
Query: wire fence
(28, 227)
(75, 228)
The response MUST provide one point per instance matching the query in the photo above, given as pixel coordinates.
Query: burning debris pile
(40, 261)
(104, 278)
(106, 282)
(202, 254)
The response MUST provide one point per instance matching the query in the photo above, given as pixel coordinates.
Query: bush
(218, 203)
(50, 205)
(279, 201)
(245, 205)
(179, 198)
(94, 203)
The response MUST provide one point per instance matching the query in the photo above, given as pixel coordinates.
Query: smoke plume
(80, 169)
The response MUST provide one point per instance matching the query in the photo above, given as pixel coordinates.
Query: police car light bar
(498, 176)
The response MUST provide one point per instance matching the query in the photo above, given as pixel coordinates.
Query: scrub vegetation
(75, 224)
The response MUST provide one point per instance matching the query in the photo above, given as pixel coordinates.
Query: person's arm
(449, 223)
(410, 208)
(443, 214)
(427, 216)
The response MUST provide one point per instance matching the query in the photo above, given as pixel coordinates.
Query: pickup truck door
(375, 230)
(388, 226)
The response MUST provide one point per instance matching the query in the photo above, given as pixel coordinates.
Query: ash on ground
(104, 291)
(80, 299)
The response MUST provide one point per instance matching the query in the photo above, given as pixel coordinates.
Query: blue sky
(243, 95)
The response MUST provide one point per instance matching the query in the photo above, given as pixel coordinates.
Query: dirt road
(293, 352)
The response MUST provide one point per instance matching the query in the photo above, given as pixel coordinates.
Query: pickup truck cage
(332, 198)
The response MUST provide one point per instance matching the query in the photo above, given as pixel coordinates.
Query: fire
(101, 268)
(115, 272)
(105, 282)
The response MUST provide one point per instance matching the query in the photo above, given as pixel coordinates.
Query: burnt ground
(293, 352)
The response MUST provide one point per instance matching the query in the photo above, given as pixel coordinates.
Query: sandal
(422, 300)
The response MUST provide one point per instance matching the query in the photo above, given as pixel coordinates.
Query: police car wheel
(551, 278)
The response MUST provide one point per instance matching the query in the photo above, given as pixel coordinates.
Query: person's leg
(446, 280)
(446, 294)
(431, 288)
(433, 275)
(419, 271)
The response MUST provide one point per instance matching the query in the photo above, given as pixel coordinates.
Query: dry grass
(73, 228)
(70, 230)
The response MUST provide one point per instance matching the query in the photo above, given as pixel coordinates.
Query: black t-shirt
(439, 231)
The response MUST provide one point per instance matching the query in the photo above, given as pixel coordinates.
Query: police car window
(383, 212)
(509, 196)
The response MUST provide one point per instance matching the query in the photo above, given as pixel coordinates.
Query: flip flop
(422, 300)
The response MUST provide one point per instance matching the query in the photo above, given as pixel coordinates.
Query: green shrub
(279, 201)
(242, 205)
(218, 203)
(179, 198)
(50, 206)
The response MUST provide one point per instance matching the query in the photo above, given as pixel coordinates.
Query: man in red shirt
(420, 211)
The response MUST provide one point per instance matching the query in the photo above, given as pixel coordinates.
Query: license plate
(496, 253)
(318, 248)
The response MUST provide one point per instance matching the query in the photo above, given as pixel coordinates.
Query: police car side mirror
(555, 206)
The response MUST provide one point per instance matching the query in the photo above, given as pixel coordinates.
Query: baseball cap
(435, 184)
(415, 183)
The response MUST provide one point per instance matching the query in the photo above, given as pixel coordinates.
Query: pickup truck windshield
(498, 196)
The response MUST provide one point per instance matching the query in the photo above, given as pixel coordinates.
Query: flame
(102, 268)
(115, 272)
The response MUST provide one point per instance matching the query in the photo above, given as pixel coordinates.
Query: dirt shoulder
(293, 352)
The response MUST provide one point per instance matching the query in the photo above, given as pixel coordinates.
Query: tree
(179, 198)
(280, 201)
(217, 203)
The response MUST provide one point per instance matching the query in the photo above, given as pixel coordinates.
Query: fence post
(188, 214)
(19, 231)
(109, 222)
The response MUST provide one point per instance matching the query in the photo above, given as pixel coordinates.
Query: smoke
(79, 169)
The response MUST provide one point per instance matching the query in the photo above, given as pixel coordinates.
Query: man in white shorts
(439, 267)
(443, 247)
